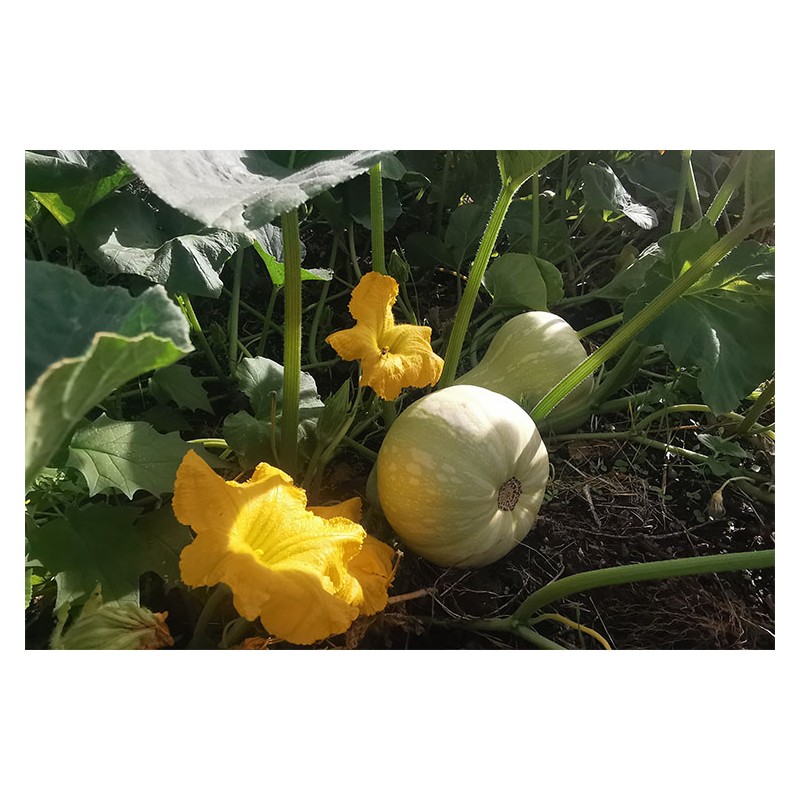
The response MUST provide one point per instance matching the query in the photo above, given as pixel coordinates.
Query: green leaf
(629, 280)
(517, 166)
(82, 342)
(261, 378)
(426, 250)
(720, 446)
(277, 270)
(464, 230)
(724, 324)
(177, 383)
(603, 191)
(127, 235)
(28, 587)
(115, 454)
(250, 438)
(521, 281)
(69, 182)
(241, 190)
(109, 546)
(398, 267)
(357, 202)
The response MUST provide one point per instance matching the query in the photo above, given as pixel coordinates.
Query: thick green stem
(677, 215)
(233, 316)
(509, 625)
(628, 332)
(467, 303)
(601, 325)
(535, 221)
(751, 417)
(729, 186)
(376, 218)
(293, 311)
(635, 573)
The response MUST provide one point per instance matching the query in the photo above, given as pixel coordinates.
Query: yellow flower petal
(374, 569)
(375, 564)
(282, 562)
(392, 356)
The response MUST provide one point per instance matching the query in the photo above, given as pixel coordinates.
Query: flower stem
(376, 218)
(233, 317)
(599, 326)
(729, 186)
(635, 573)
(293, 312)
(465, 307)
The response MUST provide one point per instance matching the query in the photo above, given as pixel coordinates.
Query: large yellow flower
(392, 356)
(306, 576)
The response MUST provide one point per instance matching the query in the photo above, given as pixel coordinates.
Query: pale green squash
(528, 356)
(461, 475)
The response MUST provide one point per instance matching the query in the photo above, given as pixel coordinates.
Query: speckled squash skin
(528, 356)
(461, 476)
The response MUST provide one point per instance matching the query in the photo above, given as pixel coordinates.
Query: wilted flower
(123, 626)
(306, 576)
(392, 356)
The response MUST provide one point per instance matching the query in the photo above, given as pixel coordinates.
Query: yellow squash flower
(392, 356)
(306, 576)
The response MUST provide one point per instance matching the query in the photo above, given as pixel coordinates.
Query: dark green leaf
(603, 191)
(520, 281)
(250, 438)
(464, 230)
(109, 546)
(720, 446)
(724, 324)
(629, 280)
(759, 186)
(178, 384)
(114, 454)
(357, 202)
(261, 379)
(425, 250)
(240, 190)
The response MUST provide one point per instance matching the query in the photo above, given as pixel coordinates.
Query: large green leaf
(603, 191)
(724, 324)
(115, 454)
(250, 438)
(241, 190)
(261, 379)
(464, 230)
(519, 165)
(521, 281)
(109, 546)
(82, 342)
(69, 182)
(177, 384)
(277, 269)
(126, 234)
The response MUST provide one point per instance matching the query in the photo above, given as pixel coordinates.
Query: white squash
(461, 476)
(527, 357)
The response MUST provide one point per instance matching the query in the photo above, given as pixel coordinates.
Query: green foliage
(114, 454)
(522, 281)
(516, 166)
(277, 270)
(261, 379)
(109, 546)
(241, 190)
(724, 325)
(69, 182)
(177, 384)
(74, 360)
(604, 191)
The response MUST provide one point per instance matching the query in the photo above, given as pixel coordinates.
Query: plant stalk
(467, 304)
(376, 218)
(233, 316)
(751, 417)
(293, 310)
(677, 216)
(635, 573)
(729, 186)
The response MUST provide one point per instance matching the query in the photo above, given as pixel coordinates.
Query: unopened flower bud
(716, 508)
(117, 627)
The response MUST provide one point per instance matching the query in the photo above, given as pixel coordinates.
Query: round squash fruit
(461, 475)
(528, 356)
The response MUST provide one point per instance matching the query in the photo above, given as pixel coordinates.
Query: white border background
(414, 75)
